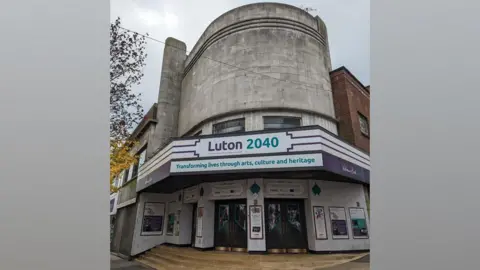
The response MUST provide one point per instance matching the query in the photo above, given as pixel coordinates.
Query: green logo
(316, 190)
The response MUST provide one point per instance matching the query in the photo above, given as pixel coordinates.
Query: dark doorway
(194, 225)
(231, 225)
(285, 226)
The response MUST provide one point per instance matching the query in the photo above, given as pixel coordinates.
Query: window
(130, 173)
(141, 161)
(134, 171)
(237, 125)
(142, 157)
(363, 124)
(121, 179)
(116, 181)
(274, 122)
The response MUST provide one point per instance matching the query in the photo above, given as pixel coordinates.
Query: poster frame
(166, 223)
(142, 233)
(324, 221)
(366, 225)
(331, 223)
(250, 222)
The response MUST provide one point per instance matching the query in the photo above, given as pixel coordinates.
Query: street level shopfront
(279, 191)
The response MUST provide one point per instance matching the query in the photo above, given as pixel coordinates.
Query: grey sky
(348, 24)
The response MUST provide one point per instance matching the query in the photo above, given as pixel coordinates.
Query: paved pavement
(360, 264)
(175, 258)
(117, 263)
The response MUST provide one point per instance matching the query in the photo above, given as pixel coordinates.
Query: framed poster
(359, 223)
(199, 222)
(256, 222)
(152, 222)
(176, 229)
(338, 218)
(170, 223)
(320, 223)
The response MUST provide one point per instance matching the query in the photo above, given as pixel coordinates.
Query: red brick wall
(350, 97)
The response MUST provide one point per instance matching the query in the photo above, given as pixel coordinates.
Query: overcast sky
(348, 25)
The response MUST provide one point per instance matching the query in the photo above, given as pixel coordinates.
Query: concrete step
(172, 258)
(164, 262)
(161, 264)
(236, 259)
(218, 255)
(182, 259)
(198, 256)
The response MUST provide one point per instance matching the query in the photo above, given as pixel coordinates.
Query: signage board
(310, 148)
(247, 163)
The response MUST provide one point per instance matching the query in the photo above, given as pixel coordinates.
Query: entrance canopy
(312, 150)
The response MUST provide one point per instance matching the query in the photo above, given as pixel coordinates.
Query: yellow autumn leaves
(121, 159)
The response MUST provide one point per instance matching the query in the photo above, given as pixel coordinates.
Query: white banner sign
(247, 163)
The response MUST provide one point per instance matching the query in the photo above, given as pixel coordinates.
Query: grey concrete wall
(150, 146)
(277, 40)
(142, 243)
(322, 28)
(169, 94)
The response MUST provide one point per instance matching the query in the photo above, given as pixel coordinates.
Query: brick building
(352, 108)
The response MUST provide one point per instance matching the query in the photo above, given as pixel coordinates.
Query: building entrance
(231, 225)
(285, 226)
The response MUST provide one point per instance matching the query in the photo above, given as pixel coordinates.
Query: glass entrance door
(231, 225)
(285, 222)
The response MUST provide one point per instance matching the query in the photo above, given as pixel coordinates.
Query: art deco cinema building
(243, 153)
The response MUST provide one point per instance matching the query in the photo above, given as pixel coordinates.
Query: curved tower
(264, 59)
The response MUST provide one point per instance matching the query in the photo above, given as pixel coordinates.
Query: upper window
(130, 172)
(125, 175)
(142, 157)
(134, 171)
(121, 178)
(115, 181)
(237, 125)
(141, 160)
(274, 122)
(364, 128)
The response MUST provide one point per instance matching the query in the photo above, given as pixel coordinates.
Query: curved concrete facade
(254, 121)
(285, 63)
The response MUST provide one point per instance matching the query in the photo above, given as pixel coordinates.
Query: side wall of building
(350, 99)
